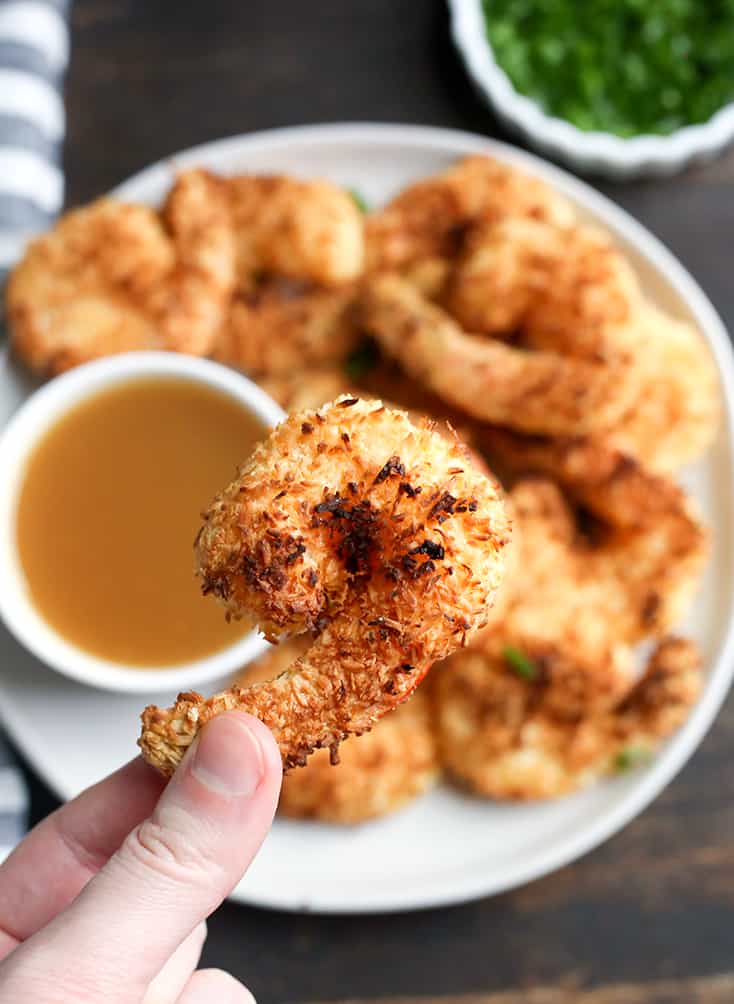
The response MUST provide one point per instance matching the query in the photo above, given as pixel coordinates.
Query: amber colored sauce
(110, 504)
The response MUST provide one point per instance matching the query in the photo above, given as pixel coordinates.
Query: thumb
(173, 870)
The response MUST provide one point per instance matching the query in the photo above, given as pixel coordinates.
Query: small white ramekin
(587, 152)
(21, 435)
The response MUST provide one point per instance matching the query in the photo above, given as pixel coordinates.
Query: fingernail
(228, 757)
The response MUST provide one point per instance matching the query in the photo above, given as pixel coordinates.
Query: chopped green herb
(631, 757)
(622, 66)
(363, 359)
(359, 200)
(519, 663)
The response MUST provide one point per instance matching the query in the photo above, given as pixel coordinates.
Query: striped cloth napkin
(34, 50)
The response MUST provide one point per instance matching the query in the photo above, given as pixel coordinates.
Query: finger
(171, 872)
(210, 985)
(51, 866)
(175, 975)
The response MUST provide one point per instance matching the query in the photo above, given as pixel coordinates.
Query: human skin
(107, 898)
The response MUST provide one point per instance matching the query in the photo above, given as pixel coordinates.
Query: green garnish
(622, 66)
(359, 200)
(519, 663)
(631, 757)
(363, 359)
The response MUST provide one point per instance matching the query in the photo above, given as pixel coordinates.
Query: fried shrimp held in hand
(378, 773)
(376, 535)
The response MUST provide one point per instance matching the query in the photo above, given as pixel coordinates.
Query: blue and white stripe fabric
(13, 802)
(34, 51)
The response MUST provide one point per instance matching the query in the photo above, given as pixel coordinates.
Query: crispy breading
(652, 546)
(378, 773)
(283, 326)
(304, 229)
(535, 391)
(677, 409)
(112, 278)
(429, 218)
(501, 736)
(563, 289)
(377, 536)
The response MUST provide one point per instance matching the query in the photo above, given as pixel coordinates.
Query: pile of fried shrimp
(501, 332)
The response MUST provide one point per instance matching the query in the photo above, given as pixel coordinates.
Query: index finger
(51, 866)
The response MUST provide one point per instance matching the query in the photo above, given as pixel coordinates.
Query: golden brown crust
(653, 545)
(500, 736)
(283, 326)
(310, 230)
(79, 290)
(111, 278)
(375, 535)
(677, 409)
(566, 289)
(429, 218)
(535, 391)
(377, 773)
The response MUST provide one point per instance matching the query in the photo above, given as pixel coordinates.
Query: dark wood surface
(649, 917)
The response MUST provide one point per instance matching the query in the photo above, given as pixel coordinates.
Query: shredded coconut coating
(652, 545)
(428, 219)
(567, 289)
(113, 277)
(303, 229)
(375, 535)
(283, 326)
(534, 391)
(677, 410)
(377, 773)
(548, 695)
(501, 735)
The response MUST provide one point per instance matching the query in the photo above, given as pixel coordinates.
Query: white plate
(452, 847)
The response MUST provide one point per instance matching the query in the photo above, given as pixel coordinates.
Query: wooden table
(650, 916)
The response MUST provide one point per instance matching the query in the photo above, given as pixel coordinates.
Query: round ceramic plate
(453, 847)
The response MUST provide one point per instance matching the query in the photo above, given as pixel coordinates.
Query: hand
(106, 899)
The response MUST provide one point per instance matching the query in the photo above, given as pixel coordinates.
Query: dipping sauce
(108, 511)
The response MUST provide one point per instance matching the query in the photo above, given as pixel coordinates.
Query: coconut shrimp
(563, 289)
(429, 219)
(651, 545)
(378, 773)
(676, 414)
(554, 611)
(114, 277)
(284, 325)
(534, 391)
(375, 535)
(307, 230)
(499, 736)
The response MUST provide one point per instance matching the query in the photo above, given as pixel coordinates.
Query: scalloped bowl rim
(468, 31)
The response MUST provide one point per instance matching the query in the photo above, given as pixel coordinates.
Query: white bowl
(27, 427)
(596, 152)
